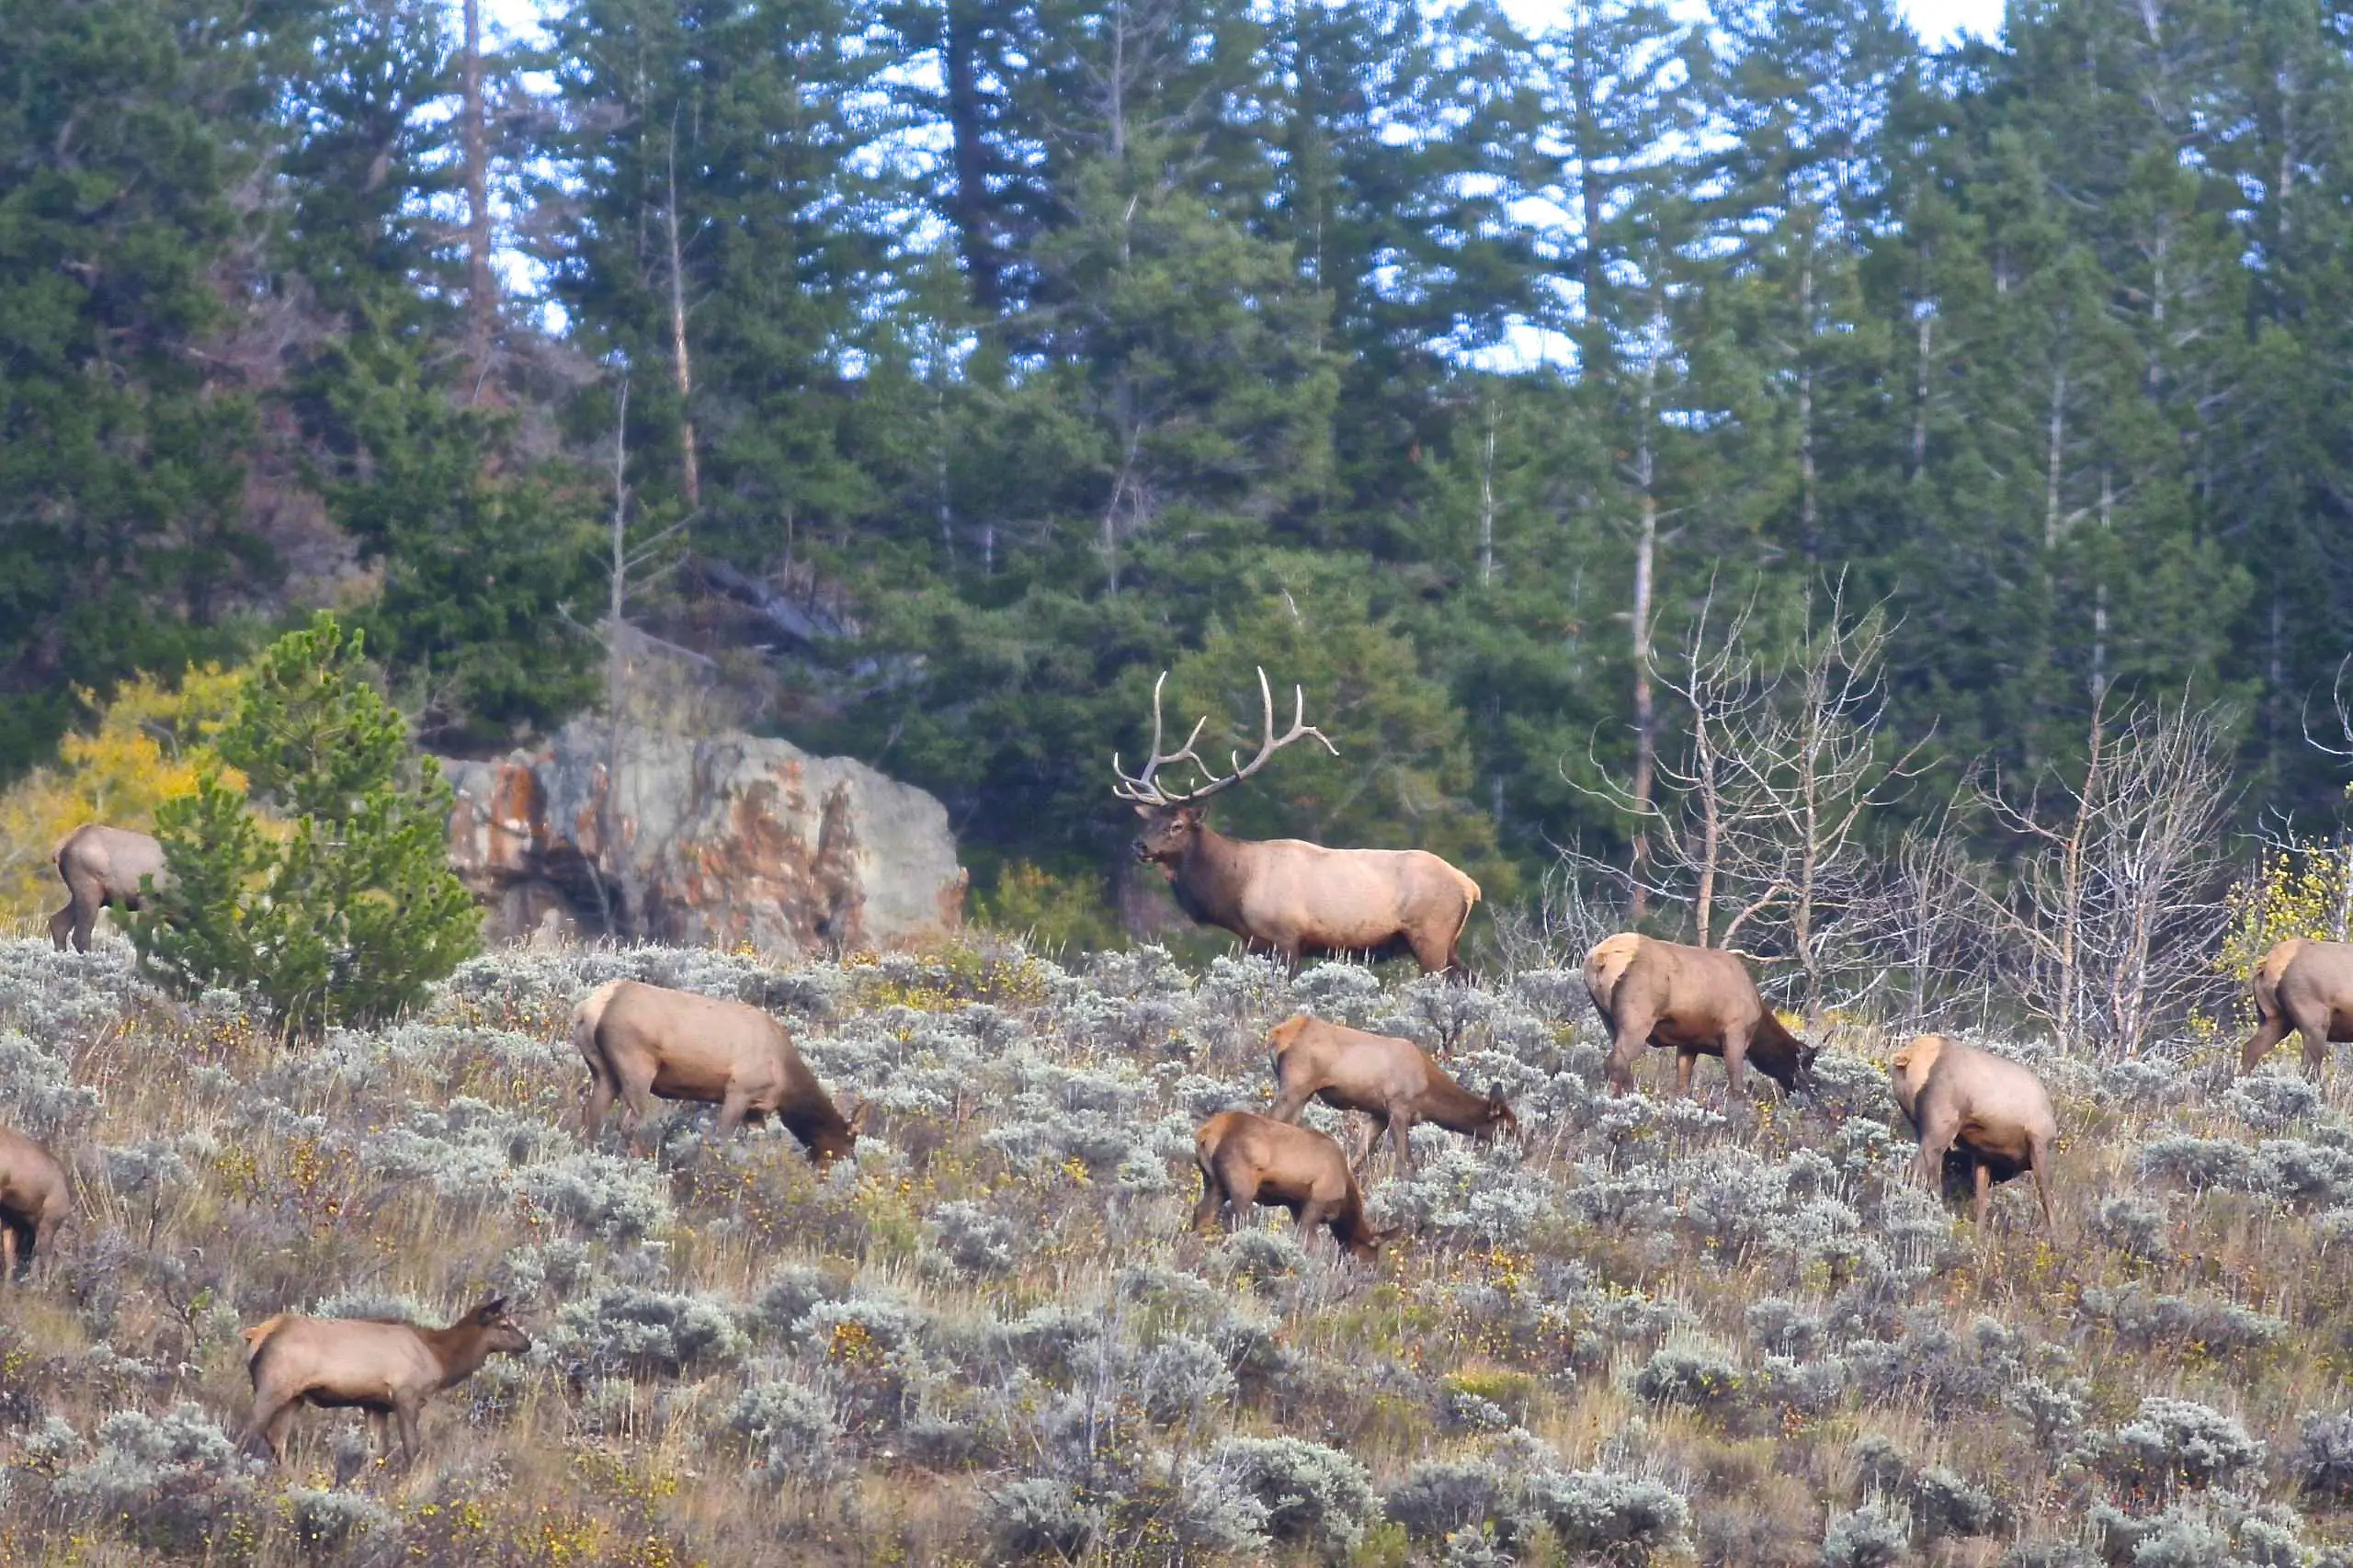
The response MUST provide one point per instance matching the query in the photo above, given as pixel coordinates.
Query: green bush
(340, 905)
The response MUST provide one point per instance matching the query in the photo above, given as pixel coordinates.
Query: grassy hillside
(1661, 1332)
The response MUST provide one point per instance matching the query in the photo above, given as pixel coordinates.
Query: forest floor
(1654, 1331)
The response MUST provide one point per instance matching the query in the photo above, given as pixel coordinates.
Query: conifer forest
(950, 367)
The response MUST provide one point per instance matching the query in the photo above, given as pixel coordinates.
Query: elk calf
(1697, 1001)
(383, 1368)
(1247, 1159)
(2306, 986)
(34, 1200)
(1989, 1111)
(100, 865)
(1285, 895)
(642, 1041)
(1390, 1080)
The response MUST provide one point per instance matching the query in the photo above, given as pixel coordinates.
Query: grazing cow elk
(1989, 1111)
(2306, 986)
(100, 865)
(1284, 895)
(1390, 1080)
(640, 1040)
(1700, 1001)
(1247, 1159)
(384, 1368)
(34, 1200)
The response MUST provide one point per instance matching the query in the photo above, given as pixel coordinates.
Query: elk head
(1497, 1120)
(1173, 821)
(500, 1332)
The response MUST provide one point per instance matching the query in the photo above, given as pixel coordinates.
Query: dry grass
(1750, 1309)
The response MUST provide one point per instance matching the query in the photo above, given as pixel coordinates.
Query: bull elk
(1248, 1159)
(34, 1200)
(383, 1368)
(1990, 1111)
(1284, 895)
(1392, 1081)
(642, 1041)
(1697, 1001)
(100, 865)
(2306, 986)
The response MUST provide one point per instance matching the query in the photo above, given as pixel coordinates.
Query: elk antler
(1140, 787)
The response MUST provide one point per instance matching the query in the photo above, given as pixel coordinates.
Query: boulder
(720, 840)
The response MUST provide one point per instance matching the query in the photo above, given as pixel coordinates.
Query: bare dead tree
(2107, 920)
(1807, 769)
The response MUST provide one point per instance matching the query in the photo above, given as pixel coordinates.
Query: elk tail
(257, 1336)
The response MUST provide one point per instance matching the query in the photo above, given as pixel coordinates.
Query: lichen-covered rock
(721, 841)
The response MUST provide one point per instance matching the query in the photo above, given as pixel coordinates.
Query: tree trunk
(480, 296)
(1809, 504)
(681, 363)
(1645, 565)
(975, 231)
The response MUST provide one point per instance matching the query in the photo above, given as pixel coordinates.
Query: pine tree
(339, 905)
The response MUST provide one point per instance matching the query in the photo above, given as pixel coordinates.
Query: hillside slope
(1659, 1332)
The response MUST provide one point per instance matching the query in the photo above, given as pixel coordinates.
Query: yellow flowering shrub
(151, 745)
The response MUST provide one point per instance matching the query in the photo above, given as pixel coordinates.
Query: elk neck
(1451, 1105)
(1209, 880)
(461, 1349)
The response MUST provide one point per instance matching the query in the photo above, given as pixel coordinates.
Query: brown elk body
(642, 1042)
(1247, 1159)
(2306, 986)
(100, 865)
(34, 1200)
(1392, 1081)
(1285, 895)
(1698, 1002)
(1990, 1111)
(385, 1368)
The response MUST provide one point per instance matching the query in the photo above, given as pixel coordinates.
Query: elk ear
(1145, 812)
(1190, 815)
(857, 1115)
(1496, 1097)
(492, 1309)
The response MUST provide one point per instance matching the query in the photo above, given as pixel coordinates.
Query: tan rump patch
(1284, 1034)
(2275, 963)
(1605, 965)
(1918, 1057)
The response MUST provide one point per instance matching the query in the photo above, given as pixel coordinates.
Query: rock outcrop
(716, 841)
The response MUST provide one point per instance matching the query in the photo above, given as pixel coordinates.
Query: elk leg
(405, 1410)
(1433, 952)
(1736, 1064)
(1313, 1216)
(379, 1435)
(42, 1244)
(600, 1102)
(1939, 1126)
(2039, 1157)
(1212, 1199)
(2312, 1025)
(1401, 1137)
(1981, 1174)
(1634, 1032)
(270, 1425)
(1290, 1103)
(637, 1101)
(1685, 1063)
(8, 1251)
(85, 918)
(730, 1113)
(2269, 1030)
(1241, 1197)
(60, 926)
